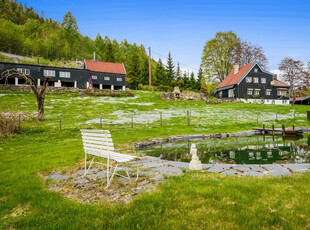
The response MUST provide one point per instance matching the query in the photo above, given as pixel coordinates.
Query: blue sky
(282, 28)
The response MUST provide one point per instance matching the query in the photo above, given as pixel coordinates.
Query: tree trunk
(40, 101)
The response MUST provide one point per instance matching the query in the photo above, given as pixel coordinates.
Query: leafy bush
(165, 88)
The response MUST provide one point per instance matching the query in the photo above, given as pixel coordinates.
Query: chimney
(94, 56)
(275, 77)
(236, 69)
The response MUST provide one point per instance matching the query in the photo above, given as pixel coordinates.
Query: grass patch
(195, 200)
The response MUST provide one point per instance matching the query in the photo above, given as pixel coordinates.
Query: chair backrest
(98, 142)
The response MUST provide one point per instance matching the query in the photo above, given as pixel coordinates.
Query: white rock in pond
(195, 163)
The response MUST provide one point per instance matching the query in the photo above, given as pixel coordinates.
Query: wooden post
(283, 129)
(264, 129)
(257, 118)
(60, 122)
(132, 121)
(100, 120)
(18, 122)
(161, 119)
(188, 118)
(272, 129)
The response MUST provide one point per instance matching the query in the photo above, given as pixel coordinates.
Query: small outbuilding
(302, 100)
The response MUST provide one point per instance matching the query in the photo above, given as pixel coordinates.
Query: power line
(161, 55)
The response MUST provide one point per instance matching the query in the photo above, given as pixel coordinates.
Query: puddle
(237, 150)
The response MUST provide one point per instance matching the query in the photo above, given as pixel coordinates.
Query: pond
(237, 150)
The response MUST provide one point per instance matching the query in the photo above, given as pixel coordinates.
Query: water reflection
(238, 150)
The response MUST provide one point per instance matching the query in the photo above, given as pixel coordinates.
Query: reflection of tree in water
(237, 150)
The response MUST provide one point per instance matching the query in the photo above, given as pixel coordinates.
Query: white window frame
(257, 92)
(63, 74)
(250, 91)
(255, 70)
(268, 92)
(221, 94)
(263, 80)
(255, 80)
(49, 73)
(248, 79)
(281, 92)
(119, 79)
(23, 71)
(94, 77)
(106, 78)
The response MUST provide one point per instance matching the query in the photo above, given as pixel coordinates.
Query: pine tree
(160, 74)
(192, 81)
(186, 81)
(199, 76)
(109, 53)
(170, 70)
(178, 73)
(134, 73)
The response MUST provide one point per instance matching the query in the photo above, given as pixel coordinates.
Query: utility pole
(150, 70)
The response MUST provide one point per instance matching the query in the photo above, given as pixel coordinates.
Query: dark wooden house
(100, 75)
(251, 83)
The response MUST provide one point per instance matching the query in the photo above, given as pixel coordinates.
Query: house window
(281, 92)
(231, 93)
(221, 94)
(268, 92)
(64, 74)
(107, 78)
(248, 79)
(263, 80)
(49, 73)
(94, 77)
(24, 71)
(256, 91)
(255, 70)
(250, 91)
(119, 79)
(255, 79)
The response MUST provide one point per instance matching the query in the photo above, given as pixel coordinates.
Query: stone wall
(183, 96)
(27, 89)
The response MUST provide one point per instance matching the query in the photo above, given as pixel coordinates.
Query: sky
(182, 27)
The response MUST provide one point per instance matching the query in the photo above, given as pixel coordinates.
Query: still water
(237, 150)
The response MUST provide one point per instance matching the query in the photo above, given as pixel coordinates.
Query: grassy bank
(195, 200)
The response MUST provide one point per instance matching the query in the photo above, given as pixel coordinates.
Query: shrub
(165, 88)
(9, 123)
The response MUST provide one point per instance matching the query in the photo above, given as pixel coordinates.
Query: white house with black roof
(252, 84)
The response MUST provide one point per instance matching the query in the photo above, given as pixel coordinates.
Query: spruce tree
(192, 80)
(109, 53)
(199, 76)
(160, 74)
(178, 73)
(134, 73)
(170, 70)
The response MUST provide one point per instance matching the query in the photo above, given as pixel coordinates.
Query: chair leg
(86, 171)
(110, 180)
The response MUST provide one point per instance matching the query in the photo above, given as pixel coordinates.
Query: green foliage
(203, 87)
(219, 54)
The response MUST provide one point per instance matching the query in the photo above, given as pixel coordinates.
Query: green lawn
(194, 200)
